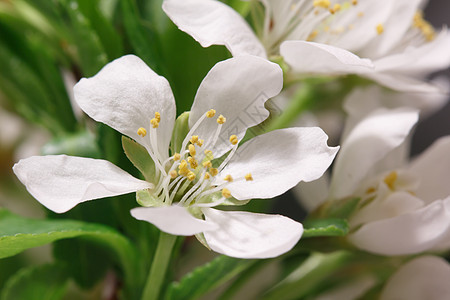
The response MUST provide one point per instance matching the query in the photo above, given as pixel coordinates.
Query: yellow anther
(248, 177)
(221, 119)
(207, 164)
(360, 14)
(191, 176)
(158, 116)
(370, 190)
(380, 28)
(226, 193)
(176, 156)
(337, 7)
(192, 151)
(233, 139)
(193, 162)
(312, 35)
(209, 155)
(321, 3)
(390, 179)
(154, 122)
(425, 27)
(183, 165)
(207, 175)
(211, 113)
(194, 139)
(355, 2)
(213, 172)
(200, 143)
(173, 174)
(228, 178)
(142, 132)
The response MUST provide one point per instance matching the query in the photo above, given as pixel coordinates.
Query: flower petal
(125, 95)
(60, 182)
(278, 160)
(211, 22)
(310, 57)
(251, 235)
(173, 219)
(425, 277)
(370, 141)
(237, 88)
(433, 167)
(409, 233)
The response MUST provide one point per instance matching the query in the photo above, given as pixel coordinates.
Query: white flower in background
(405, 206)
(210, 169)
(424, 277)
(399, 48)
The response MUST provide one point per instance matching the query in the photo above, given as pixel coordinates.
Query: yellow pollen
(207, 164)
(321, 3)
(193, 162)
(183, 165)
(380, 28)
(191, 176)
(211, 113)
(209, 155)
(390, 179)
(312, 35)
(370, 190)
(226, 193)
(228, 178)
(213, 171)
(425, 27)
(207, 175)
(200, 143)
(142, 132)
(158, 116)
(154, 122)
(355, 2)
(233, 139)
(221, 119)
(194, 139)
(248, 177)
(173, 174)
(192, 151)
(360, 14)
(335, 8)
(176, 156)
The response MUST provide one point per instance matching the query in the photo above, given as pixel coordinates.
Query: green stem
(159, 267)
(297, 105)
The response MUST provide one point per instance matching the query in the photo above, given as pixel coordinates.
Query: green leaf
(47, 282)
(207, 277)
(140, 158)
(325, 227)
(18, 234)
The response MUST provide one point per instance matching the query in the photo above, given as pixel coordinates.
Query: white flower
(405, 206)
(209, 170)
(320, 36)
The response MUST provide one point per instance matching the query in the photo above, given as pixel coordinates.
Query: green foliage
(140, 158)
(47, 282)
(207, 277)
(325, 227)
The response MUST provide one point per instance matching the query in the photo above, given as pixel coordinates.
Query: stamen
(211, 204)
(207, 176)
(213, 171)
(336, 8)
(192, 151)
(380, 28)
(211, 113)
(200, 143)
(154, 122)
(233, 139)
(173, 174)
(226, 193)
(194, 139)
(370, 190)
(355, 2)
(158, 116)
(248, 177)
(228, 178)
(221, 119)
(209, 155)
(191, 176)
(192, 162)
(390, 179)
(321, 3)
(142, 132)
(176, 156)
(207, 164)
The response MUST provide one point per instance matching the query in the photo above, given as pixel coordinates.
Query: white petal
(409, 233)
(211, 22)
(237, 88)
(370, 141)
(433, 168)
(401, 82)
(125, 95)
(426, 277)
(251, 235)
(278, 160)
(310, 57)
(60, 182)
(173, 219)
